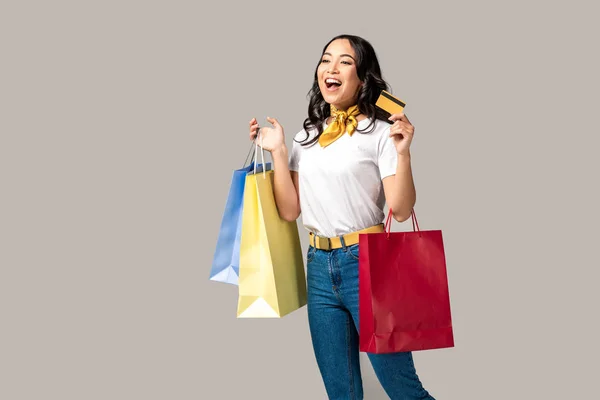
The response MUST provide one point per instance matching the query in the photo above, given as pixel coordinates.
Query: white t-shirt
(340, 185)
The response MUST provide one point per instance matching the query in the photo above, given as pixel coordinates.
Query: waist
(337, 242)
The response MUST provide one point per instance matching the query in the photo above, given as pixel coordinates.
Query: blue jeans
(332, 280)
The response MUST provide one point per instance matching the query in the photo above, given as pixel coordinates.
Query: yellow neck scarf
(343, 121)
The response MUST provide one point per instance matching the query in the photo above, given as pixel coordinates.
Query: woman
(344, 165)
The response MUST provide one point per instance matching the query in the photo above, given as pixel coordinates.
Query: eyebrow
(341, 55)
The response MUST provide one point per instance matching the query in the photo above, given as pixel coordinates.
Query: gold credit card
(390, 103)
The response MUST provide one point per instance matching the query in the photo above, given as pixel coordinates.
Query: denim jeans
(332, 280)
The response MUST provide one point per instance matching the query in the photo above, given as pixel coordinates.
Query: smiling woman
(337, 76)
(352, 62)
(345, 164)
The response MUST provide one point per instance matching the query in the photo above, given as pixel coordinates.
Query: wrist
(280, 151)
(404, 156)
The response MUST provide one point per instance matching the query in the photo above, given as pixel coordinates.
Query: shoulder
(301, 135)
(304, 135)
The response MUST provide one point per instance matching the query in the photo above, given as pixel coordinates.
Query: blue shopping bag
(226, 261)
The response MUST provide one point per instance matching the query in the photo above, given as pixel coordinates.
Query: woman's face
(337, 76)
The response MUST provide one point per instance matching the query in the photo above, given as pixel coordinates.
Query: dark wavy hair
(369, 73)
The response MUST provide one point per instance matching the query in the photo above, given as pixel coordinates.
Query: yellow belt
(325, 243)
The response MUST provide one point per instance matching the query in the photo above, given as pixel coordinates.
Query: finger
(395, 125)
(397, 128)
(273, 121)
(406, 126)
(253, 121)
(254, 131)
(409, 129)
(399, 117)
(396, 117)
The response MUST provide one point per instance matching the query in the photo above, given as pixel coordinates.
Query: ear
(359, 88)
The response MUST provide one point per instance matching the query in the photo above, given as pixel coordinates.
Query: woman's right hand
(271, 138)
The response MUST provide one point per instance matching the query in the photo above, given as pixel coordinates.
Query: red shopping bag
(404, 301)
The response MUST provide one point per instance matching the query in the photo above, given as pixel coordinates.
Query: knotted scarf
(343, 121)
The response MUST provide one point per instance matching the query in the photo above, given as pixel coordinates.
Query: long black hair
(369, 73)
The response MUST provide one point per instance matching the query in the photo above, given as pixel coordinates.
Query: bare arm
(400, 193)
(399, 189)
(285, 186)
(285, 182)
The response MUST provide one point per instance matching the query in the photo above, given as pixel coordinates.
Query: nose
(332, 68)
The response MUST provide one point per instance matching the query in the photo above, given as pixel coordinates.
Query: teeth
(331, 80)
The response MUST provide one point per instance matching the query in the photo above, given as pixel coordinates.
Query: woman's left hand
(401, 133)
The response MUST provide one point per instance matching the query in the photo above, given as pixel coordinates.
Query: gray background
(121, 123)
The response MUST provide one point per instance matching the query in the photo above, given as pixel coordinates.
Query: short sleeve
(294, 157)
(387, 158)
(294, 161)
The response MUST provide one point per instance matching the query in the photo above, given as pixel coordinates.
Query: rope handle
(262, 152)
(388, 222)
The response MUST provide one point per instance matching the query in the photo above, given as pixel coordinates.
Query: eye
(346, 62)
(324, 61)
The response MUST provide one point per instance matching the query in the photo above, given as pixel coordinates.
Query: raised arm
(285, 181)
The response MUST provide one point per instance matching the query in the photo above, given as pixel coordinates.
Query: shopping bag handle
(388, 222)
(262, 152)
(251, 151)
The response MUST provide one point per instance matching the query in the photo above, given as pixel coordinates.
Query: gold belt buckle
(323, 243)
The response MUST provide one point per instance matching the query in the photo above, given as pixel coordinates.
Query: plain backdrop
(121, 123)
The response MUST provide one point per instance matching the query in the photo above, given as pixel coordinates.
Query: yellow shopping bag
(272, 281)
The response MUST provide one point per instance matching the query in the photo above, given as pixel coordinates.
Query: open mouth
(332, 83)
